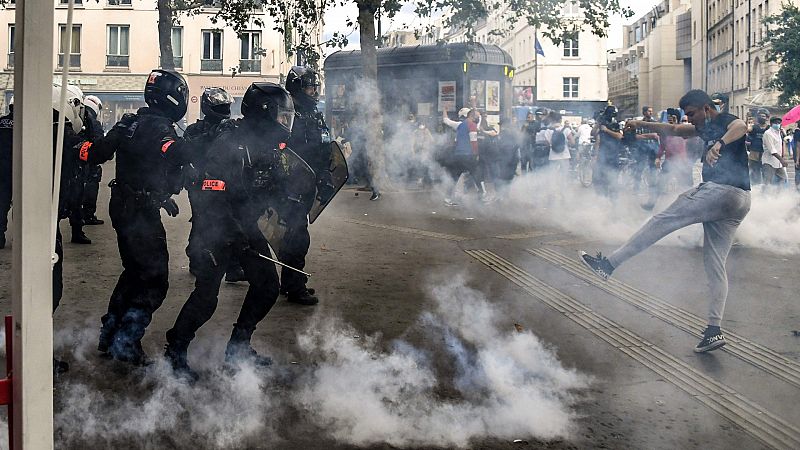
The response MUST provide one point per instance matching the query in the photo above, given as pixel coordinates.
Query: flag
(538, 46)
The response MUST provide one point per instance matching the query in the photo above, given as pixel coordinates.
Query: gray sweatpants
(720, 208)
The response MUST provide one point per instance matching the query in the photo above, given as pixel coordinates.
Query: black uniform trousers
(91, 190)
(208, 262)
(5, 203)
(293, 252)
(144, 281)
(58, 270)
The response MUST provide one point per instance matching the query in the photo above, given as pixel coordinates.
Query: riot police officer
(215, 104)
(6, 169)
(149, 159)
(311, 140)
(93, 173)
(242, 178)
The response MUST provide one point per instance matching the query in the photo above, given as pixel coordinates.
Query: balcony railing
(211, 65)
(116, 61)
(74, 61)
(250, 65)
(11, 59)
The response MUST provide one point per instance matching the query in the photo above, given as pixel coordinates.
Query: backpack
(559, 142)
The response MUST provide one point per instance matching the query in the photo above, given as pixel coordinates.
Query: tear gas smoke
(493, 382)
(507, 384)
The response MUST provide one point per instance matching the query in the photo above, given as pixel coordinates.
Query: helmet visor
(285, 118)
(218, 97)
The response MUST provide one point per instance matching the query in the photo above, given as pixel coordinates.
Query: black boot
(60, 367)
(2, 240)
(127, 345)
(79, 237)
(302, 297)
(235, 274)
(107, 332)
(93, 220)
(239, 349)
(176, 356)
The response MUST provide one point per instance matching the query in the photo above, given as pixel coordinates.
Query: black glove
(325, 187)
(170, 207)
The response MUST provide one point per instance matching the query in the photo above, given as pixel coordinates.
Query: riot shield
(297, 185)
(338, 177)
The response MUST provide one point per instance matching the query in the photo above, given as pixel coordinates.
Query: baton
(280, 263)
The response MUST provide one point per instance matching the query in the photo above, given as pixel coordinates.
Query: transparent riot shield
(338, 177)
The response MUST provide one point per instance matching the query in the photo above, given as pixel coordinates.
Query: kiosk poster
(338, 99)
(477, 94)
(447, 96)
(492, 96)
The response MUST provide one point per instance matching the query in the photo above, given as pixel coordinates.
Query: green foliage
(783, 39)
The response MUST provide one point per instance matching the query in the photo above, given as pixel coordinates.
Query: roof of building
(423, 54)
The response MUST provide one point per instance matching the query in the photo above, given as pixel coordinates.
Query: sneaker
(375, 196)
(449, 202)
(598, 264)
(712, 340)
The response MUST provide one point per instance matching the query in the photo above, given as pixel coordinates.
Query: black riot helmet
(215, 104)
(269, 105)
(167, 92)
(610, 112)
(301, 77)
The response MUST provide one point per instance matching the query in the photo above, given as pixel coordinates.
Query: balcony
(211, 65)
(250, 65)
(116, 61)
(11, 60)
(74, 61)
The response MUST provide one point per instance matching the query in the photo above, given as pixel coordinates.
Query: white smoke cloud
(507, 384)
(473, 376)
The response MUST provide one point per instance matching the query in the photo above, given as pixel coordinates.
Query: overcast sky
(336, 18)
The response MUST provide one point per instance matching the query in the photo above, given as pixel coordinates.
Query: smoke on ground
(468, 375)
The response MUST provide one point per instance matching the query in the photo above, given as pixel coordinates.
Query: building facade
(728, 47)
(115, 45)
(652, 69)
(569, 77)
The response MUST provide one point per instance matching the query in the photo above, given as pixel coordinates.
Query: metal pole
(535, 68)
(32, 290)
(61, 124)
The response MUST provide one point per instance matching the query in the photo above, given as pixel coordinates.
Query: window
(119, 2)
(571, 45)
(212, 51)
(66, 2)
(177, 46)
(571, 9)
(118, 38)
(570, 87)
(75, 50)
(11, 46)
(250, 56)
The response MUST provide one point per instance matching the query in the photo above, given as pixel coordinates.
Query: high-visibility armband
(213, 185)
(84, 152)
(166, 145)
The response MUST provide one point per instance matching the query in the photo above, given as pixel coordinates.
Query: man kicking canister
(719, 202)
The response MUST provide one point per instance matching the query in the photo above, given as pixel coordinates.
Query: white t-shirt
(554, 156)
(584, 134)
(772, 144)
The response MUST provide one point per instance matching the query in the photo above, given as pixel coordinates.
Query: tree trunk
(165, 35)
(372, 119)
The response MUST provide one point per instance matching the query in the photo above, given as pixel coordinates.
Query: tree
(783, 42)
(465, 14)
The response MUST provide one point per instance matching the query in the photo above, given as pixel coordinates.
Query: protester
(755, 138)
(720, 203)
(773, 164)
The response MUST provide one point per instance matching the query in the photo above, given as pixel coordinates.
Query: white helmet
(93, 102)
(74, 110)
